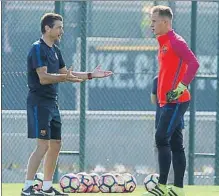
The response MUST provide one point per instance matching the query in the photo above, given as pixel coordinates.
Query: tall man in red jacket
(177, 68)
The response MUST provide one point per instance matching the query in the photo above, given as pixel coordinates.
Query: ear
(47, 28)
(165, 22)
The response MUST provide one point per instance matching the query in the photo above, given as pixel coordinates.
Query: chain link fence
(119, 116)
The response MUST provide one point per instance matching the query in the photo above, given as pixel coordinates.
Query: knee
(55, 145)
(176, 147)
(161, 140)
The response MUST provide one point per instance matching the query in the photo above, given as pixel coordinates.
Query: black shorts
(44, 122)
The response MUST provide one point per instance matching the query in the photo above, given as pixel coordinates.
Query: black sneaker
(52, 192)
(30, 191)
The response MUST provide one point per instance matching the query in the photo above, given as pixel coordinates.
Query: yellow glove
(176, 93)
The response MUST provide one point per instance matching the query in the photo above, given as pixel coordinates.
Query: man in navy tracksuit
(46, 68)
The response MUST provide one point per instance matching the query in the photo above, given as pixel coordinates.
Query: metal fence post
(83, 34)
(192, 104)
(57, 10)
(216, 182)
(58, 7)
(172, 4)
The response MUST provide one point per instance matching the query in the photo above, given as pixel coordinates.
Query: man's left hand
(99, 73)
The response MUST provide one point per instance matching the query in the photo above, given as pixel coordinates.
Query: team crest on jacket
(164, 49)
(43, 132)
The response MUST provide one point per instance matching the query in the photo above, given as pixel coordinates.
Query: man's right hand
(72, 78)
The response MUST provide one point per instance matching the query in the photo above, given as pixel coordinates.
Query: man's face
(159, 25)
(56, 32)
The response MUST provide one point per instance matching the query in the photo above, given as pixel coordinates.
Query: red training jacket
(177, 63)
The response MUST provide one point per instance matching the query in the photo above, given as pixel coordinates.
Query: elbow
(196, 64)
(193, 66)
(43, 81)
(43, 78)
(196, 67)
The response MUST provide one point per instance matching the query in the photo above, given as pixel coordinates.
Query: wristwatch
(89, 76)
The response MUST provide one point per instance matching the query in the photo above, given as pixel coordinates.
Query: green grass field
(14, 190)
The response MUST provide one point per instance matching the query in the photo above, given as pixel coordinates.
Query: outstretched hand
(99, 73)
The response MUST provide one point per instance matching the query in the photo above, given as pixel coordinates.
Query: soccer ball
(151, 181)
(96, 184)
(86, 183)
(108, 183)
(131, 182)
(69, 183)
(120, 188)
(38, 181)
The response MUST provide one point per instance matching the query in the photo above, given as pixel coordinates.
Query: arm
(154, 91)
(97, 73)
(81, 75)
(40, 63)
(47, 78)
(182, 50)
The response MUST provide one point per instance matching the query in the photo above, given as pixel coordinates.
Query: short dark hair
(49, 19)
(163, 11)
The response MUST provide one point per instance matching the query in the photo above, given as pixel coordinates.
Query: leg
(178, 157)
(156, 156)
(38, 127)
(176, 142)
(162, 142)
(51, 159)
(53, 151)
(169, 120)
(36, 157)
(157, 117)
(52, 155)
(170, 179)
(156, 159)
(171, 173)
